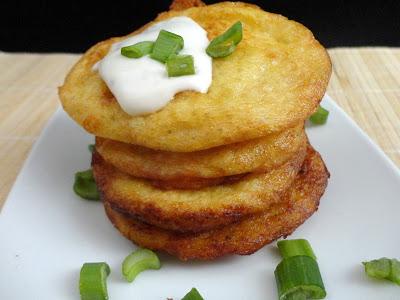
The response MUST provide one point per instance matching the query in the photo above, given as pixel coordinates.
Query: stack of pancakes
(224, 172)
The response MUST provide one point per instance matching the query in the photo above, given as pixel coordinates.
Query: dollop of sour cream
(142, 85)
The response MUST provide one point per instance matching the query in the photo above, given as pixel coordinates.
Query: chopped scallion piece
(289, 248)
(137, 50)
(179, 65)
(92, 281)
(193, 295)
(383, 268)
(224, 44)
(298, 277)
(91, 148)
(298, 295)
(138, 261)
(320, 116)
(167, 44)
(85, 186)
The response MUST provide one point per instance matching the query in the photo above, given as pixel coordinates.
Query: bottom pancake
(244, 237)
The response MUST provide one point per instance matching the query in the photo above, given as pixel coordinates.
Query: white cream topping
(142, 85)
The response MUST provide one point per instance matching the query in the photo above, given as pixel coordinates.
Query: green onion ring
(320, 116)
(85, 186)
(193, 295)
(179, 65)
(298, 277)
(383, 268)
(138, 261)
(137, 50)
(167, 44)
(224, 44)
(92, 281)
(289, 248)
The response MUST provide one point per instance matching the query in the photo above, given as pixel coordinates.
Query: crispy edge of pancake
(184, 124)
(244, 237)
(195, 183)
(194, 210)
(185, 4)
(257, 155)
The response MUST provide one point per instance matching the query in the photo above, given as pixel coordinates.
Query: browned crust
(195, 183)
(244, 237)
(197, 210)
(185, 4)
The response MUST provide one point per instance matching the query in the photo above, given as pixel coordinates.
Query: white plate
(47, 233)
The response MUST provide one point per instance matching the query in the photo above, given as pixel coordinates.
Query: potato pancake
(244, 237)
(274, 80)
(257, 155)
(194, 210)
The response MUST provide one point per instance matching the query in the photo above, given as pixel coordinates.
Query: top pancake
(273, 80)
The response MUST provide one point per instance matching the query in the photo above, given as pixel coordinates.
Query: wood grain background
(365, 83)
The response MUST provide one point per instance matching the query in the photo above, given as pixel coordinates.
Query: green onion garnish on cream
(297, 275)
(138, 261)
(193, 295)
(85, 186)
(137, 50)
(320, 116)
(167, 44)
(92, 281)
(142, 86)
(224, 44)
(383, 268)
(91, 148)
(179, 65)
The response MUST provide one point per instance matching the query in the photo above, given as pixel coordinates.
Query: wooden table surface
(365, 83)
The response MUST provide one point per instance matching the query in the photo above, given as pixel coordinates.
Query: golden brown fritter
(244, 237)
(274, 80)
(194, 210)
(257, 155)
(195, 183)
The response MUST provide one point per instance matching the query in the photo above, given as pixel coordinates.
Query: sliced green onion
(383, 268)
(85, 186)
(167, 44)
(298, 295)
(289, 248)
(91, 148)
(320, 116)
(379, 268)
(179, 65)
(92, 281)
(395, 274)
(138, 261)
(224, 44)
(298, 277)
(137, 50)
(193, 295)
